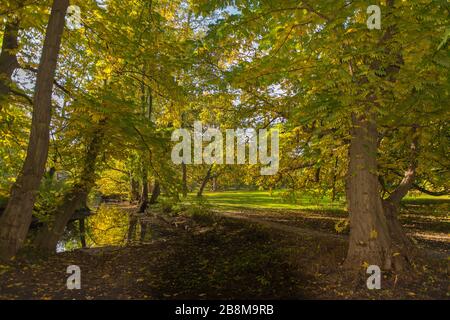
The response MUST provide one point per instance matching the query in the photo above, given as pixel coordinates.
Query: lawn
(287, 200)
(280, 199)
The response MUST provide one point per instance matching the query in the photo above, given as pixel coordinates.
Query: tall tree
(319, 68)
(16, 219)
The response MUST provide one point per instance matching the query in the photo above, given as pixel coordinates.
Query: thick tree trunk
(16, 220)
(402, 245)
(48, 238)
(391, 205)
(204, 182)
(372, 240)
(8, 57)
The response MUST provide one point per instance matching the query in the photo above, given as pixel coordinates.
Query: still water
(109, 225)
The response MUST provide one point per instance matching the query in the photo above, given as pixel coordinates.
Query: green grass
(285, 200)
(426, 200)
(277, 200)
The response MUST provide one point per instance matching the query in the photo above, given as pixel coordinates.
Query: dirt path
(281, 226)
(267, 221)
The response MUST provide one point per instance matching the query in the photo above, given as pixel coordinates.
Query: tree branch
(409, 175)
(55, 83)
(21, 94)
(424, 190)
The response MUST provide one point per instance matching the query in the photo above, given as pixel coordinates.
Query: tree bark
(8, 56)
(16, 220)
(48, 238)
(376, 236)
(391, 205)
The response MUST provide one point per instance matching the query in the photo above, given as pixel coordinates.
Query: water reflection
(109, 225)
(137, 226)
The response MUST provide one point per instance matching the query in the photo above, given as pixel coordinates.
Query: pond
(109, 225)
